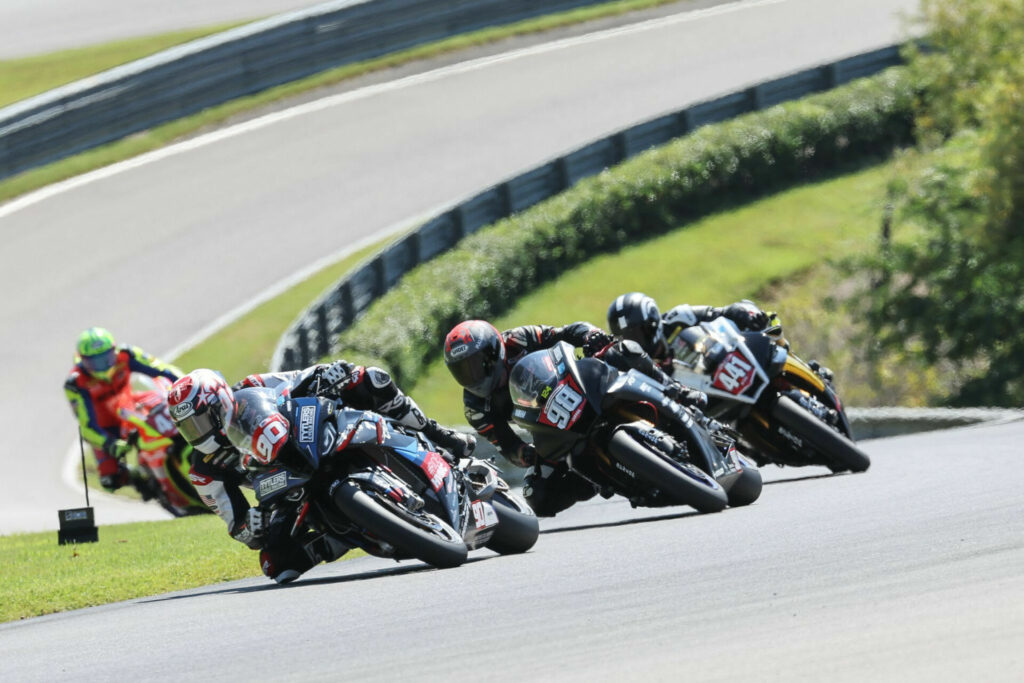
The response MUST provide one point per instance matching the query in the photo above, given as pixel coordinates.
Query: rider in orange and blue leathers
(101, 372)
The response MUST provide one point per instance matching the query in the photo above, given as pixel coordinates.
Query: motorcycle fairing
(730, 367)
(367, 429)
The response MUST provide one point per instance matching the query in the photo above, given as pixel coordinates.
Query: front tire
(746, 489)
(517, 529)
(692, 487)
(442, 548)
(839, 452)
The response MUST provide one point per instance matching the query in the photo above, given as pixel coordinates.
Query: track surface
(911, 571)
(33, 27)
(216, 224)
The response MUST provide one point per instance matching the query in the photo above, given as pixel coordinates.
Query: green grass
(130, 560)
(720, 259)
(26, 77)
(215, 116)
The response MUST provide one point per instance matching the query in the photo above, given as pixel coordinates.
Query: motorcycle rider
(636, 316)
(101, 372)
(480, 359)
(202, 405)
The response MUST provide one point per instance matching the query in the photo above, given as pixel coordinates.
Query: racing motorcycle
(603, 423)
(361, 480)
(163, 455)
(786, 411)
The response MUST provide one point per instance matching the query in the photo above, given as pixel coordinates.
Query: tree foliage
(951, 282)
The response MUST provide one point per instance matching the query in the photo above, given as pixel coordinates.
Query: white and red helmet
(201, 405)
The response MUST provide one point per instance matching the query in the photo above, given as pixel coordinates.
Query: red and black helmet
(475, 354)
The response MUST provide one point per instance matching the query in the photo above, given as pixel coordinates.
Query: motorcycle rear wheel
(839, 452)
(444, 551)
(695, 487)
(517, 531)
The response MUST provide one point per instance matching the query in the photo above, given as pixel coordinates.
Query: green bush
(645, 196)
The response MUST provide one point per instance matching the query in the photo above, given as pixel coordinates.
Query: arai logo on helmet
(457, 351)
(182, 410)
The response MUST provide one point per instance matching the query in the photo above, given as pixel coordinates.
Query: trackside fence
(312, 335)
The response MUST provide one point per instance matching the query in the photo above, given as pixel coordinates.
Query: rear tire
(838, 452)
(692, 487)
(517, 531)
(363, 509)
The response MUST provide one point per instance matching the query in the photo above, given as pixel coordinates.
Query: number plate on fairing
(564, 406)
(484, 515)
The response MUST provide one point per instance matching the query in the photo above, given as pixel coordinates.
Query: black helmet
(635, 316)
(475, 354)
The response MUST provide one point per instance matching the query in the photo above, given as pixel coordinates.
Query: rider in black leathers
(201, 404)
(480, 358)
(636, 316)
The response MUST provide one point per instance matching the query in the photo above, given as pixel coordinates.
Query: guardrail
(312, 335)
(191, 77)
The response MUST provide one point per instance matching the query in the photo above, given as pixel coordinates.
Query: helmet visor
(198, 426)
(477, 373)
(100, 363)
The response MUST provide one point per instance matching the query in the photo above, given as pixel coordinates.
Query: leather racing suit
(93, 403)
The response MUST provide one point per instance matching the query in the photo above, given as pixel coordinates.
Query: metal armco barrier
(189, 78)
(311, 336)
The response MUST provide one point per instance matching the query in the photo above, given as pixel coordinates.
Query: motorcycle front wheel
(421, 535)
(838, 452)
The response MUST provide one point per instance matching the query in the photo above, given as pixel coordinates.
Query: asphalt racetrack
(908, 572)
(159, 249)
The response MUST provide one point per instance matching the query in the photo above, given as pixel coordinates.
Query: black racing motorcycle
(786, 411)
(365, 481)
(604, 424)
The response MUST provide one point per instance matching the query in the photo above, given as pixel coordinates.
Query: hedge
(651, 194)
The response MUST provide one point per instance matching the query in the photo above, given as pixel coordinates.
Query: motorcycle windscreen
(689, 345)
(532, 380)
(257, 428)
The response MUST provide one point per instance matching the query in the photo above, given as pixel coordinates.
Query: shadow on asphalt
(806, 477)
(316, 581)
(622, 522)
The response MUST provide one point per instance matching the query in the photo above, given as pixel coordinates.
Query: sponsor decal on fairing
(436, 468)
(273, 483)
(307, 422)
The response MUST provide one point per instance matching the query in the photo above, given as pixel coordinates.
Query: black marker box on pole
(76, 526)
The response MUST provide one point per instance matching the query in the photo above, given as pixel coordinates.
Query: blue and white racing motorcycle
(365, 481)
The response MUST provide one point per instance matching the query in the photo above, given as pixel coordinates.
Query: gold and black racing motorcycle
(786, 411)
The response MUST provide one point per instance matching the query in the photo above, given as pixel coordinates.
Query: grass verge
(130, 560)
(216, 116)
